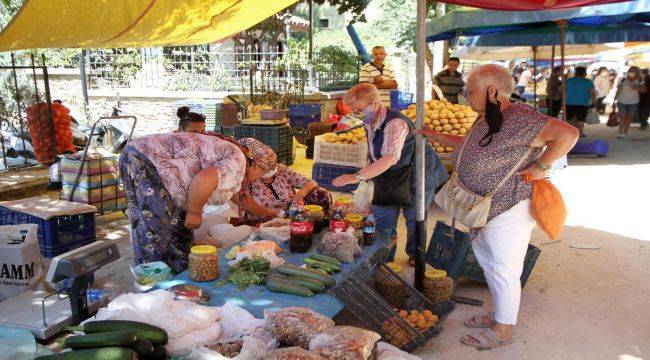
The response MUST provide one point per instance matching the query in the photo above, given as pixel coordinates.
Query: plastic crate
(453, 253)
(277, 137)
(227, 130)
(324, 174)
(357, 292)
(58, 234)
(400, 100)
(212, 112)
(229, 115)
(320, 128)
(304, 114)
(340, 154)
(599, 148)
(309, 152)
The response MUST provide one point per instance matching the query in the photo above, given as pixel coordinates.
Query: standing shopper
(450, 81)
(391, 141)
(168, 179)
(506, 137)
(644, 101)
(525, 79)
(554, 92)
(380, 74)
(603, 86)
(627, 99)
(580, 95)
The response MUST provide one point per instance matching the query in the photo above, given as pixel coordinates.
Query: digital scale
(71, 274)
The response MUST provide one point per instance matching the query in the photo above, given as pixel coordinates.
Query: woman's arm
(373, 170)
(256, 209)
(451, 141)
(201, 187)
(309, 186)
(559, 138)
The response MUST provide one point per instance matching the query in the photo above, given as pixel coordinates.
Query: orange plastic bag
(547, 207)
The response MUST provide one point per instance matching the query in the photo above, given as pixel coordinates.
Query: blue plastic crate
(324, 174)
(599, 148)
(228, 130)
(400, 100)
(304, 114)
(58, 234)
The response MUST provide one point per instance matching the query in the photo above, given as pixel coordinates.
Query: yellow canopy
(131, 23)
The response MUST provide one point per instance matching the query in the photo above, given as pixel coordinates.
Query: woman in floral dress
(168, 179)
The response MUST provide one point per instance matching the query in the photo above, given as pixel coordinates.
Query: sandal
(487, 339)
(477, 322)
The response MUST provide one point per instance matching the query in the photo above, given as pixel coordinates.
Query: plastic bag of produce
(152, 273)
(235, 321)
(296, 325)
(344, 343)
(363, 196)
(387, 351)
(343, 246)
(276, 230)
(226, 234)
(293, 353)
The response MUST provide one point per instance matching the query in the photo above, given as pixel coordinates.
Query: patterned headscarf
(264, 156)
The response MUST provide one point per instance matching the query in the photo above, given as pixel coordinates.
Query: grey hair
(492, 74)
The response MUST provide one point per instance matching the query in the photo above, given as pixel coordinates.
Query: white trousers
(500, 249)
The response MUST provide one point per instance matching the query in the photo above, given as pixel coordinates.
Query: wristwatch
(359, 177)
(543, 167)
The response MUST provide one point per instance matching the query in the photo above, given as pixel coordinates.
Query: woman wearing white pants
(506, 141)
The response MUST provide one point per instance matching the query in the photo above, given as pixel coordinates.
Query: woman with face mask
(627, 99)
(271, 195)
(505, 137)
(391, 141)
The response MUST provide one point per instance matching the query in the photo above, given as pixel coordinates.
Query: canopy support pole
(562, 25)
(535, 76)
(81, 60)
(421, 221)
(552, 57)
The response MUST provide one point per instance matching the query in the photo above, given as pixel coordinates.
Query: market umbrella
(528, 4)
(487, 53)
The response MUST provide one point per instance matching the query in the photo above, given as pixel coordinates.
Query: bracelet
(359, 177)
(543, 167)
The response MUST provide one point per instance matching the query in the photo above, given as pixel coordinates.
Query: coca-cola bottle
(337, 221)
(302, 229)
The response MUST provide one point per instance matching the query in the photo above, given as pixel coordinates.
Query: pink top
(278, 194)
(395, 135)
(482, 168)
(178, 157)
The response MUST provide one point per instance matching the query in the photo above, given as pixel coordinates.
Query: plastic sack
(387, 351)
(251, 349)
(363, 196)
(592, 117)
(344, 343)
(343, 246)
(612, 120)
(20, 253)
(152, 273)
(296, 325)
(276, 230)
(547, 207)
(226, 234)
(293, 353)
(235, 321)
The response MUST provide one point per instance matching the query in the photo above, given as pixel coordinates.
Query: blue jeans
(521, 90)
(386, 219)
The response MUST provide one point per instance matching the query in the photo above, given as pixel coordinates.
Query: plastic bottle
(368, 230)
(291, 210)
(302, 230)
(101, 294)
(338, 222)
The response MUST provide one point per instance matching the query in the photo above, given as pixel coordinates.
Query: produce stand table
(255, 299)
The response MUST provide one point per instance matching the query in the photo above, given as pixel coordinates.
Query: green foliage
(354, 7)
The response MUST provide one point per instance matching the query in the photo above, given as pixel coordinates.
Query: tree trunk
(429, 60)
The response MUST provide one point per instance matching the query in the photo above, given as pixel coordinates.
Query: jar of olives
(204, 263)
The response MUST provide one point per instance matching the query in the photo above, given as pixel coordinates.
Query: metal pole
(48, 101)
(421, 221)
(562, 25)
(81, 60)
(535, 76)
(311, 30)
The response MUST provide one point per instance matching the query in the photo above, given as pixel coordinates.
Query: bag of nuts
(293, 353)
(296, 325)
(344, 343)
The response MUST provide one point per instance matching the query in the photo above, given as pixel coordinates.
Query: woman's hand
(343, 180)
(298, 197)
(428, 132)
(193, 220)
(534, 173)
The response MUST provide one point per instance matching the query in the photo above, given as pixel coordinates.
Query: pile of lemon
(350, 137)
(445, 118)
(254, 110)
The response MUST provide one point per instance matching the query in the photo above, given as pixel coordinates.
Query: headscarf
(263, 155)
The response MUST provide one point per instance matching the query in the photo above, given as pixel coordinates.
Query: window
(324, 23)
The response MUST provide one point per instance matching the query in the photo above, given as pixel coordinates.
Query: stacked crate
(316, 129)
(277, 137)
(333, 159)
(300, 116)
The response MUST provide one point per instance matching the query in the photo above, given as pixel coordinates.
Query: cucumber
(312, 284)
(291, 270)
(318, 269)
(107, 339)
(282, 286)
(107, 353)
(159, 353)
(326, 259)
(143, 347)
(323, 265)
(143, 331)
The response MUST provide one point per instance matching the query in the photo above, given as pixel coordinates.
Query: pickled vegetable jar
(317, 216)
(204, 263)
(437, 286)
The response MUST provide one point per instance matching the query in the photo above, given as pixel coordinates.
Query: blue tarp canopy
(621, 22)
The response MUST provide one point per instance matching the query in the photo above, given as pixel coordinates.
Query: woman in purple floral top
(503, 135)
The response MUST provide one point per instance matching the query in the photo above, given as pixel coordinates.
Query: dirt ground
(578, 303)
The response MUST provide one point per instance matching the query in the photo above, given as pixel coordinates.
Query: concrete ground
(578, 303)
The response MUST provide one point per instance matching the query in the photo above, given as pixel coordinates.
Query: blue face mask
(369, 115)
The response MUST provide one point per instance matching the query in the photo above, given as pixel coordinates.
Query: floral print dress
(157, 171)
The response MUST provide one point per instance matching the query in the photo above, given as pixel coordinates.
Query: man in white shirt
(379, 74)
(525, 79)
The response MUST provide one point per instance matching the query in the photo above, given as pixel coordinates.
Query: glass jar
(356, 221)
(317, 216)
(204, 263)
(437, 286)
(347, 203)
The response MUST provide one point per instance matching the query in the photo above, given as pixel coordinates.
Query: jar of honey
(437, 286)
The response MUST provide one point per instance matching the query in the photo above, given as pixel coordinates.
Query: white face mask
(270, 174)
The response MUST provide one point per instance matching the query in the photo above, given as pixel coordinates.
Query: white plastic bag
(389, 352)
(226, 234)
(363, 196)
(277, 230)
(252, 349)
(235, 321)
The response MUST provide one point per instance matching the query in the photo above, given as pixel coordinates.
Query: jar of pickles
(317, 216)
(356, 221)
(204, 263)
(347, 203)
(437, 286)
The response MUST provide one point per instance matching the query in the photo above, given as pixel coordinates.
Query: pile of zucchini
(294, 280)
(114, 340)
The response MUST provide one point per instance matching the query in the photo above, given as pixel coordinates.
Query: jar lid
(204, 249)
(395, 267)
(435, 274)
(314, 208)
(344, 200)
(354, 218)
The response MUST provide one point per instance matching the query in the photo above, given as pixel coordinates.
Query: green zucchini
(143, 347)
(323, 265)
(291, 270)
(326, 259)
(159, 353)
(107, 339)
(107, 353)
(318, 269)
(312, 284)
(143, 331)
(275, 284)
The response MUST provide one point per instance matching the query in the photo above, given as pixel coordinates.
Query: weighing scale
(71, 274)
